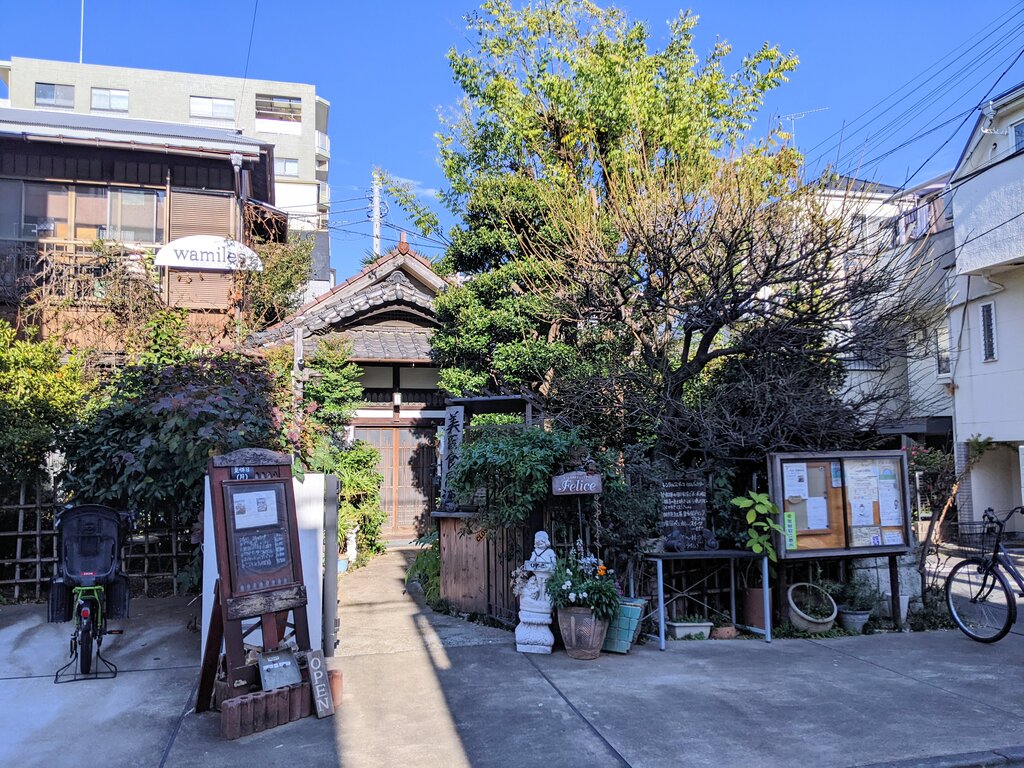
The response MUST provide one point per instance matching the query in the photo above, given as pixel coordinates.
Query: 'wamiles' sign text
(208, 252)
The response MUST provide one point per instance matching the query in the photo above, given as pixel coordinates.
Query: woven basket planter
(582, 632)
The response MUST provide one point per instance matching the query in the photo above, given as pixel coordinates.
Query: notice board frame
(840, 542)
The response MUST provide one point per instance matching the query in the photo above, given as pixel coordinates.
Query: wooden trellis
(154, 556)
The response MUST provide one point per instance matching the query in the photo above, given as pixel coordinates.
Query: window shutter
(199, 289)
(195, 213)
(988, 332)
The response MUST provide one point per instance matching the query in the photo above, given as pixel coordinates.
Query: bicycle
(978, 593)
(90, 586)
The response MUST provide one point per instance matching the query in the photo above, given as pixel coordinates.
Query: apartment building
(69, 180)
(288, 116)
(986, 305)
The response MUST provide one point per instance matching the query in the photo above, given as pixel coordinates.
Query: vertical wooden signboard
(259, 573)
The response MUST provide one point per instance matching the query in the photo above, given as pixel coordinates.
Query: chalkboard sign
(258, 537)
(684, 509)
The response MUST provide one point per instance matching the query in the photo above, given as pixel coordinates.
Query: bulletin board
(853, 502)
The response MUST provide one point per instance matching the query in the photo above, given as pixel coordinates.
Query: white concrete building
(987, 303)
(290, 116)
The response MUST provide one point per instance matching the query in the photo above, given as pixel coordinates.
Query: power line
(844, 132)
(248, 50)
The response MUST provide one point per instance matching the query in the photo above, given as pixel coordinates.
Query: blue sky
(382, 66)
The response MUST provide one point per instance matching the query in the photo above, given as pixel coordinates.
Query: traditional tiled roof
(401, 281)
(383, 343)
(395, 289)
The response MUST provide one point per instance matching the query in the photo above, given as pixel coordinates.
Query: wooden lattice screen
(153, 556)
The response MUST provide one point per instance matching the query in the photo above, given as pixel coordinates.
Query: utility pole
(375, 215)
(81, 33)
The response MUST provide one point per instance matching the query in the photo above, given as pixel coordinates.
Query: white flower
(572, 597)
(583, 596)
(567, 584)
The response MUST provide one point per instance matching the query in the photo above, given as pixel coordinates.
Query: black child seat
(91, 537)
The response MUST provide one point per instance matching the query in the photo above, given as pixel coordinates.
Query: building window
(90, 213)
(1018, 137)
(285, 108)
(10, 209)
(942, 362)
(45, 211)
(137, 215)
(55, 95)
(988, 332)
(286, 166)
(211, 108)
(110, 99)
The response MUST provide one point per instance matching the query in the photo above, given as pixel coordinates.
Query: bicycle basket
(976, 538)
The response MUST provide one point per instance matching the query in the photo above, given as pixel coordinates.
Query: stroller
(90, 586)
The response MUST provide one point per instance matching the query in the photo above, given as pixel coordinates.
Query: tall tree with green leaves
(622, 233)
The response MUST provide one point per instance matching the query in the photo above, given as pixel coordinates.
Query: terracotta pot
(753, 607)
(724, 633)
(582, 632)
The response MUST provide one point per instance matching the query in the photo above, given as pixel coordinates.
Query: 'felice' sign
(575, 483)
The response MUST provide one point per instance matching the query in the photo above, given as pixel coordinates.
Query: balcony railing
(416, 398)
(325, 194)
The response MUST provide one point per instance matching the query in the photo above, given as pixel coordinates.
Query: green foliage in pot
(580, 580)
(858, 595)
(761, 515)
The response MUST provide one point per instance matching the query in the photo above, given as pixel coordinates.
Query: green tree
(269, 295)
(337, 389)
(622, 236)
(40, 395)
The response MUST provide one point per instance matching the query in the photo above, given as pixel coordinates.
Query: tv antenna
(799, 116)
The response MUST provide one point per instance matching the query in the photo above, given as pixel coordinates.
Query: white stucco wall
(984, 204)
(299, 200)
(990, 395)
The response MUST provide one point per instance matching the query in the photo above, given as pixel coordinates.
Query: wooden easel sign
(259, 573)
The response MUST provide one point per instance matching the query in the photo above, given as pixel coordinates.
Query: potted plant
(723, 628)
(689, 627)
(858, 601)
(761, 515)
(811, 608)
(583, 590)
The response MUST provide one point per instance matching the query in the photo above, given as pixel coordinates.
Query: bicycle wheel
(980, 600)
(85, 647)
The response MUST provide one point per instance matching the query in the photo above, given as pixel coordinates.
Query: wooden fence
(153, 557)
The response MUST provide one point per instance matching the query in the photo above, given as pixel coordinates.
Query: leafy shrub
(40, 394)
(426, 570)
(145, 443)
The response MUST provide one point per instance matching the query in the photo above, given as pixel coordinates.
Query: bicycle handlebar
(992, 516)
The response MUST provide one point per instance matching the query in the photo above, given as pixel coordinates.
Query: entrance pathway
(429, 690)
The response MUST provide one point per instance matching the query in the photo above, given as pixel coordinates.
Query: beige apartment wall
(164, 96)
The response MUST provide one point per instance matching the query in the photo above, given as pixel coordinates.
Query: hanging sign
(576, 484)
(208, 252)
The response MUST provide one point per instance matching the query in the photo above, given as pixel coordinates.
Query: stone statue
(533, 633)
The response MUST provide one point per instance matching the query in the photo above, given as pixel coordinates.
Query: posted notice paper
(817, 513)
(255, 509)
(794, 480)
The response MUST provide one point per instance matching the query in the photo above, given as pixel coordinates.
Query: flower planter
(853, 621)
(753, 607)
(582, 632)
(696, 630)
(728, 632)
(624, 628)
(805, 621)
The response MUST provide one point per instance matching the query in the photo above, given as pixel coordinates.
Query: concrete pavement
(429, 690)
